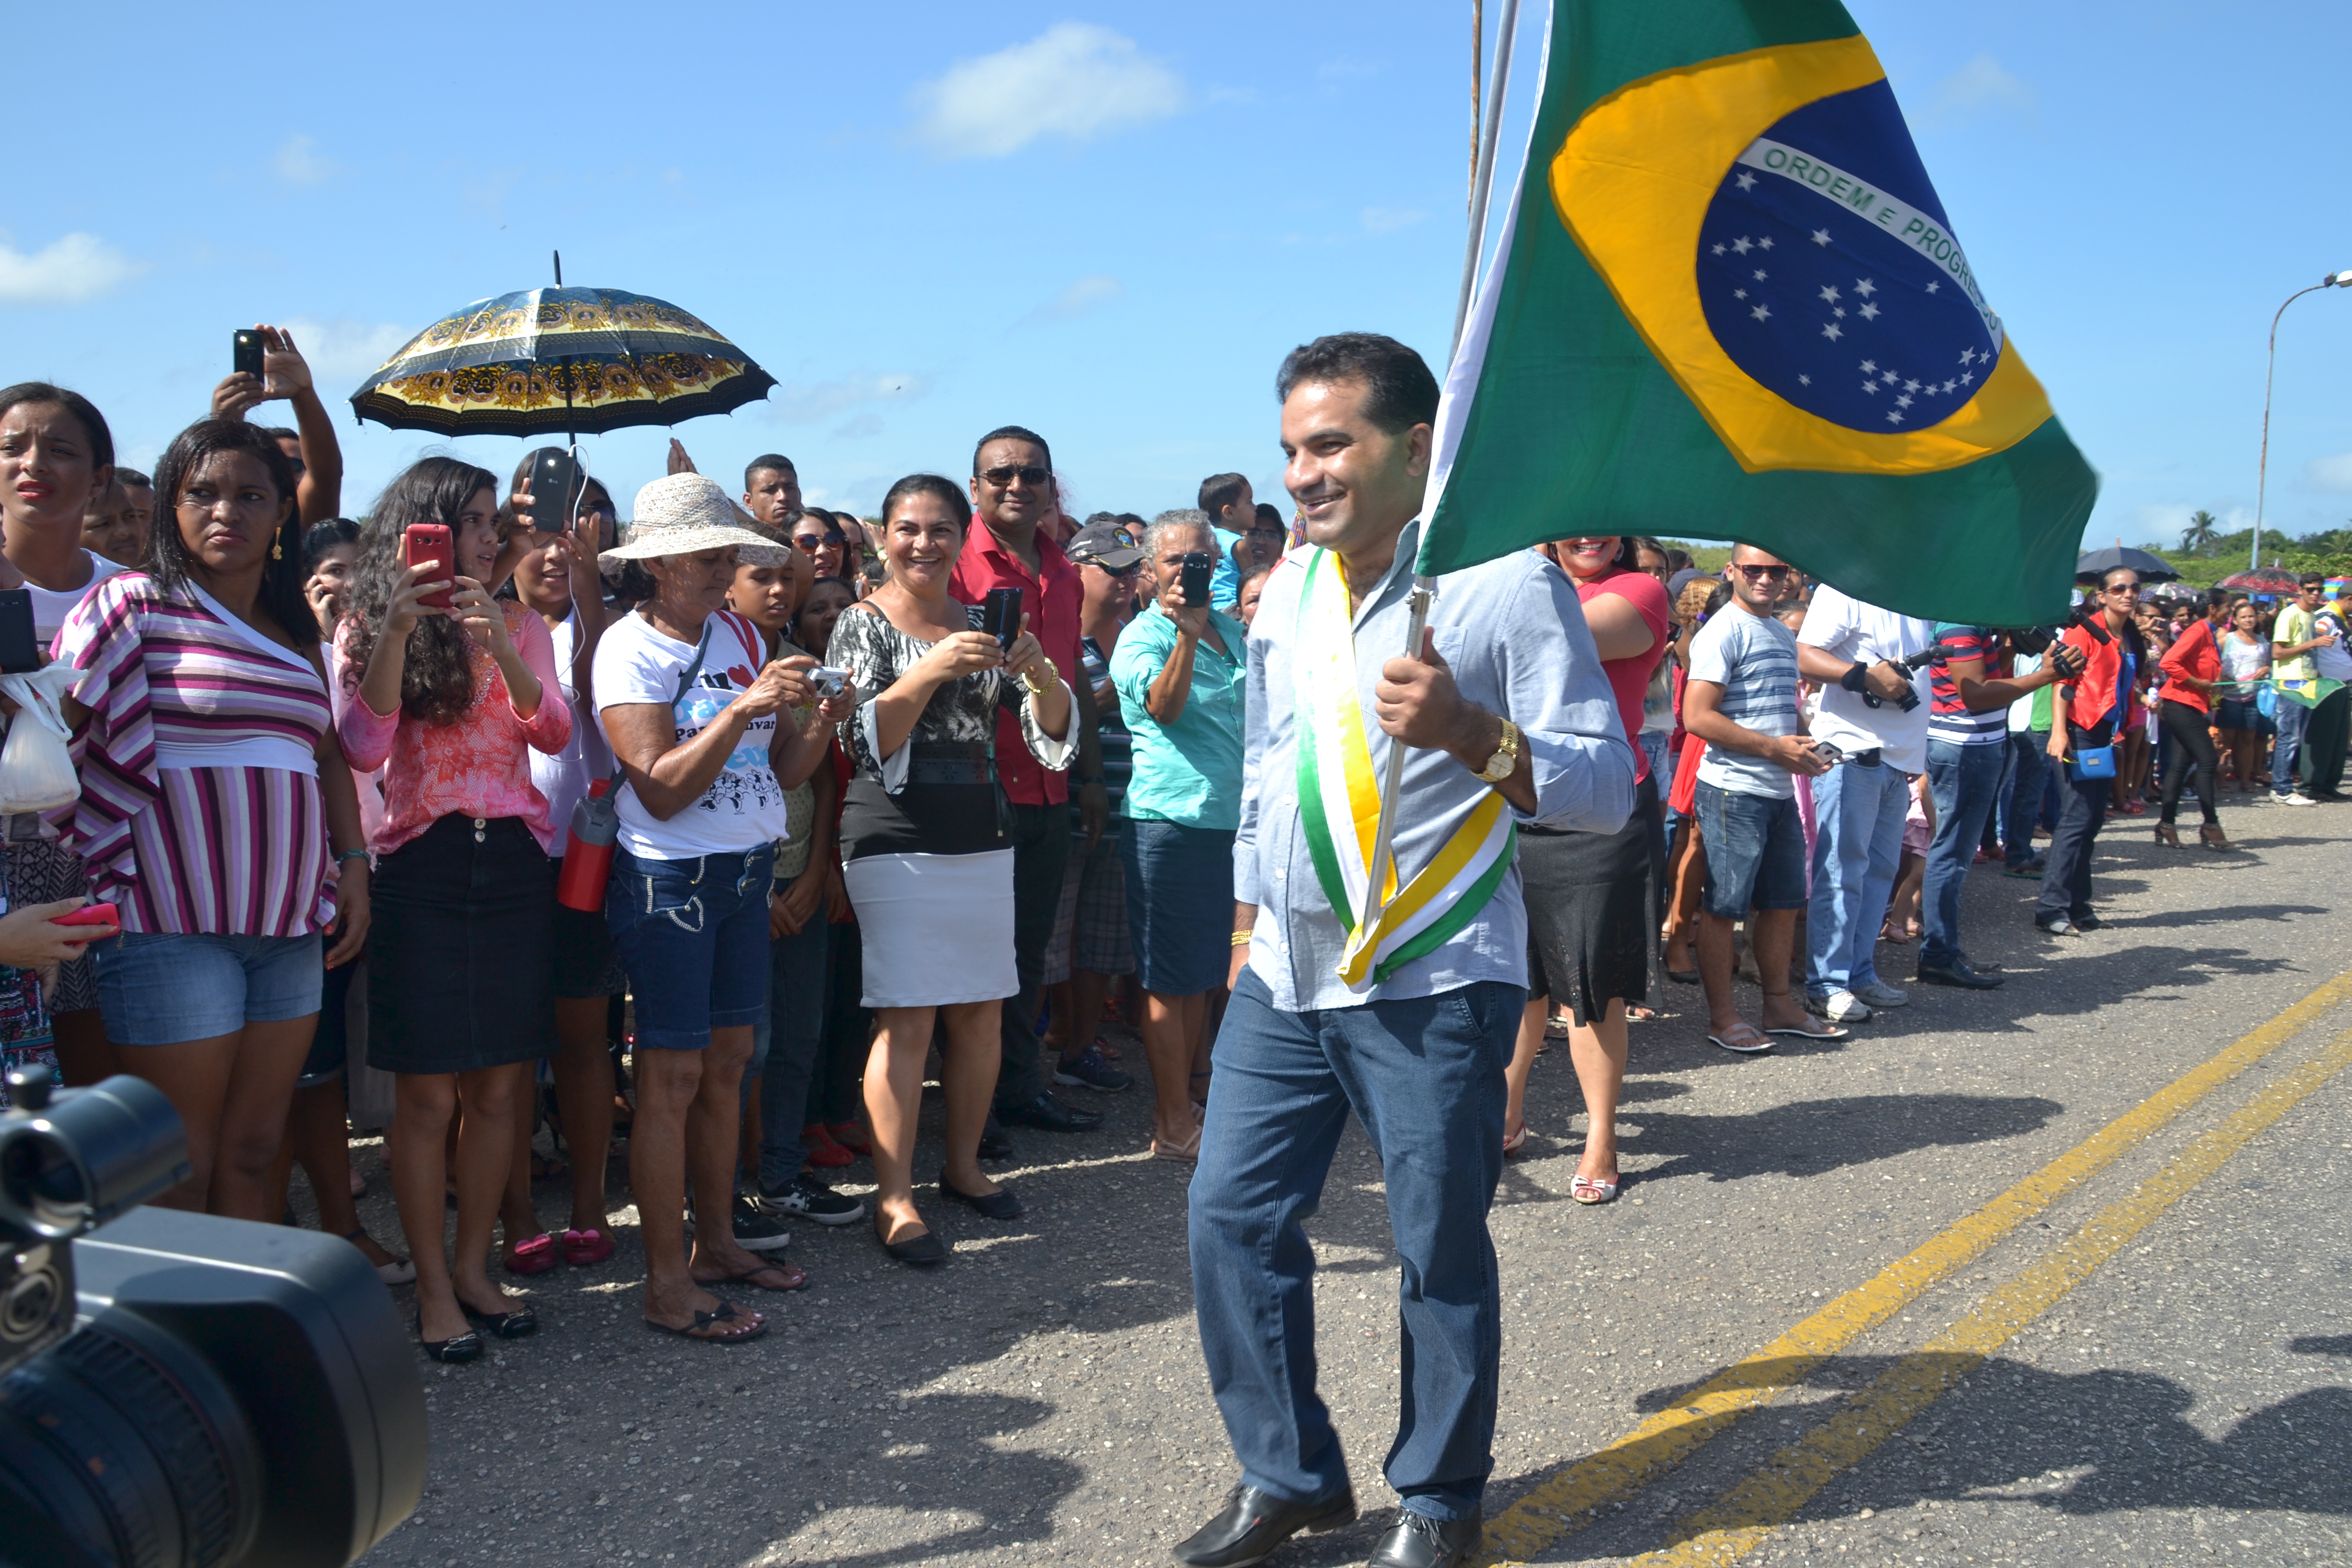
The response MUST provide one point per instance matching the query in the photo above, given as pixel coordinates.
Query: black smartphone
(1199, 566)
(20, 651)
(555, 486)
(244, 352)
(999, 616)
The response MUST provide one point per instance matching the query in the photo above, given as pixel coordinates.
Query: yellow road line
(1722, 1532)
(1562, 1505)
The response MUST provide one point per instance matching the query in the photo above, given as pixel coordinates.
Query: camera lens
(89, 1154)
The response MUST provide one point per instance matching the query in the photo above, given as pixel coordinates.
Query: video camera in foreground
(178, 1390)
(2034, 641)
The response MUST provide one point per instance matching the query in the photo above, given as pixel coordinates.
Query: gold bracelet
(1244, 938)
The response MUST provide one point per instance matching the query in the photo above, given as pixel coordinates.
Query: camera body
(176, 1388)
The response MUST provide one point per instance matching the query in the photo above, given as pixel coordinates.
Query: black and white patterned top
(886, 813)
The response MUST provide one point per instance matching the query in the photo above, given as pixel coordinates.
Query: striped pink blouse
(200, 810)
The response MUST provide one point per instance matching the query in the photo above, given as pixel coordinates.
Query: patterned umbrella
(560, 361)
(2262, 580)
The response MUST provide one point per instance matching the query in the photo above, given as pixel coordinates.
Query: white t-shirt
(564, 777)
(1754, 660)
(51, 605)
(745, 807)
(1850, 629)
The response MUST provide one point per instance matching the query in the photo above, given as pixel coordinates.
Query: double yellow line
(1559, 1506)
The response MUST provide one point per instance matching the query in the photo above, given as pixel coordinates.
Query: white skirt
(937, 929)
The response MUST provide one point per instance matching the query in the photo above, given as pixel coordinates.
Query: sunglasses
(1761, 573)
(1027, 474)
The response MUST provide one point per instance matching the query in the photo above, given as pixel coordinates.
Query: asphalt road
(1821, 1325)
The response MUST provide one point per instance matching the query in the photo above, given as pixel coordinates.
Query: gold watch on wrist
(1506, 758)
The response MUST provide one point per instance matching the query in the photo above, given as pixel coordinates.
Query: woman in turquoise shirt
(1180, 671)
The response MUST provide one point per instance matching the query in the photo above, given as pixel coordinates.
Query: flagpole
(1424, 588)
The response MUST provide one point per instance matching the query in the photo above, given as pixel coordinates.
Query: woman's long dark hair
(437, 676)
(168, 561)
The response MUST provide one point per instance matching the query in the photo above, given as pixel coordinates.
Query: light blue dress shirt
(1514, 634)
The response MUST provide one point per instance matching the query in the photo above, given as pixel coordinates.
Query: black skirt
(461, 950)
(1592, 901)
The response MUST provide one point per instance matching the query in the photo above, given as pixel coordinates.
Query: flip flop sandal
(796, 1278)
(536, 1256)
(705, 1321)
(1587, 1191)
(586, 1248)
(1513, 1143)
(1745, 1041)
(1826, 1031)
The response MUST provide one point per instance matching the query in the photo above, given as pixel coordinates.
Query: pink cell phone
(93, 914)
(430, 542)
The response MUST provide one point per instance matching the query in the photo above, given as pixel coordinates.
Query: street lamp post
(2263, 472)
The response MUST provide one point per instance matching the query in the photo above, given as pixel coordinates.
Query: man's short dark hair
(774, 462)
(133, 478)
(1399, 391)
(1679, 559)
(1010, 433)
(2313, 580)
(1219, 491)
(1267, 512)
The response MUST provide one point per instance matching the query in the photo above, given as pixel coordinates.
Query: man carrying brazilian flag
(1726, 303)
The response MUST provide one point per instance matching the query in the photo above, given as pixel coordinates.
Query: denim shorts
(1755, 851)
(693, 935)
(163, 988)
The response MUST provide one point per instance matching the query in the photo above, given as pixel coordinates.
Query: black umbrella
(2097, 563)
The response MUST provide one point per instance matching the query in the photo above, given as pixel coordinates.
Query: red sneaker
(823, 1151)
(852, 1137)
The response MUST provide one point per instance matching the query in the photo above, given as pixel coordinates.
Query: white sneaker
(1839, 1007)
(2298, 798)
(1878, 993)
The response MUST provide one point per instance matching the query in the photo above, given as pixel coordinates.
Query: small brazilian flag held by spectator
(1727, 302)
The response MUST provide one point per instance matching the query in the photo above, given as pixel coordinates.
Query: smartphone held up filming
(1198, 568)
(999, 616)
(244, 354)
(555, 489)
(430, 542)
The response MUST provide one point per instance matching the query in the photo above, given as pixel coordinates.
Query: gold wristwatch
(1506, 758)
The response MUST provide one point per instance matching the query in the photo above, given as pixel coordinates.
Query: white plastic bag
(37, 774)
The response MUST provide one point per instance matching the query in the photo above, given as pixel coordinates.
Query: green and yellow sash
(1339, 803)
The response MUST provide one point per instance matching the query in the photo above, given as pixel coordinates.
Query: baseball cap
(1104, 544)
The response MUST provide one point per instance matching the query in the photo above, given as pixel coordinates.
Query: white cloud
(2164, 523)
(1073, 80)
(343, 347)
(64, 272)
(803, 402)
(1388, 220)
(866, 423)
(1078, 299)
(1982, 83)
(300, 161)
(2333, 474)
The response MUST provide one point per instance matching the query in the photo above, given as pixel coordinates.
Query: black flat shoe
(513, 1325)
(924, 1251)
(466, 1347)
(1051, 1114)
(1414, 1542)
(1253, 1523)
(998, 1205)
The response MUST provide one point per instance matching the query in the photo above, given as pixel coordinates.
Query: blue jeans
(693, 935)
(784, 1047)
(1857, 847)
(1755, 851)
(2020, 793)
(1426, 1079)
(161, 988)
(1964, 780)
(2293, 719)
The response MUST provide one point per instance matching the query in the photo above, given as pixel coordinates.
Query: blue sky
(1108, 223)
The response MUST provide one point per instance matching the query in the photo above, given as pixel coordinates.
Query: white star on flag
(1870, 312)
(1747, 181)
(1830, 295)
(1743, 245)
(1864, 287)
(1821, 237)
(1761, 313)
(1893, 417)
(1833, 333)
(1760, 275)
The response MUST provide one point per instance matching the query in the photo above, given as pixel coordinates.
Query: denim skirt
(1179, 904)
(461, 950)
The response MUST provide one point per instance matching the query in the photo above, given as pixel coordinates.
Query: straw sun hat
(680, 514)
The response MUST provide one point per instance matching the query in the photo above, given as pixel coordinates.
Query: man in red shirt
(1011, 494)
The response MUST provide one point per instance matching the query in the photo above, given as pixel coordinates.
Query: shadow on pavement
(1810, 1137)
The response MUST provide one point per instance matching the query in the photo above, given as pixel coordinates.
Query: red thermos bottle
(588, 851)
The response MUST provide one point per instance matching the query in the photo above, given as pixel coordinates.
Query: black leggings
(2185, 732)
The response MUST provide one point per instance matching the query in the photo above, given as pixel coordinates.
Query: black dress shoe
(994, 1144)
(998, 1205)
(924, 1251)
(1957, 974)
(1049, 1113)
(1254, 1522)
(513, 1325)
(1415, 1541)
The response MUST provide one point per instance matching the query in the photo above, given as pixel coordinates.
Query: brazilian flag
(1726, 303)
